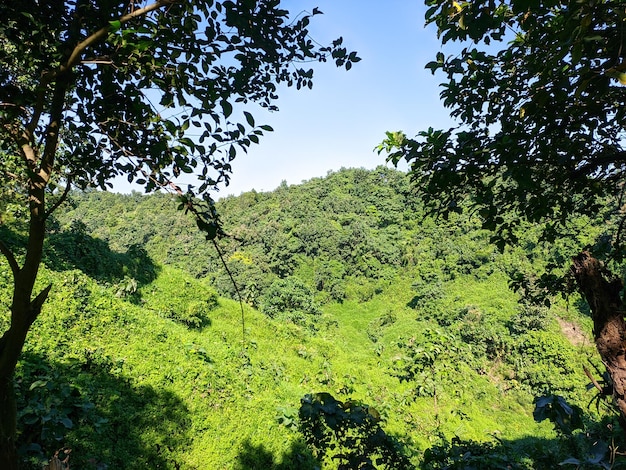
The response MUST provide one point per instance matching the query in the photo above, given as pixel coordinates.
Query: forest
(468, 313)
(369, 332)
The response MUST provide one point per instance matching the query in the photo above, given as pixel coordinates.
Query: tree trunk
(24, 310)
(602, 292)
(8, 453)
(11, 345)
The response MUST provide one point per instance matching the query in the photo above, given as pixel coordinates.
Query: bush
(182, 299)
(377, 325)
(461, 454)
(291, 296)
(351, 430)
(529, 317)
(50, 406)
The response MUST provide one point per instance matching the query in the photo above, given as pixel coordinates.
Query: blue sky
(340, 121)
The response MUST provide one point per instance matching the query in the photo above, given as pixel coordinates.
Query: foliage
(350, 429)
(289, 296)
(328, 233)
(163, 390)
(202, 57)
(171, 297)
(539, 144)
(566, 418)
(541, 119)
(48, 408)
(150, 91)
(529, 317)
(75, 248)
(464, 455)
(430, 362)
(376, 327)
(590, 448)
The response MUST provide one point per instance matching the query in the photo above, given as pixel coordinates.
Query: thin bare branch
(5, 104)
(593, 380)
(10, 174)
(97, 61)
(232, 280)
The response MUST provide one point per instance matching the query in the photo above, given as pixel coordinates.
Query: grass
(165, 394)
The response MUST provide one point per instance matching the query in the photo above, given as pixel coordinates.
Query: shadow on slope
(257, 457)
(583, 450)
(75, 248)
(527, 453)
(104, 419)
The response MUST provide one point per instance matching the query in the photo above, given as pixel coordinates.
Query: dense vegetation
(368, 325)
(536, 89)
(147, 90)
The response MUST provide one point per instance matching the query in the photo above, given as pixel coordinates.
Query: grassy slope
(146, 391)
(216, 405)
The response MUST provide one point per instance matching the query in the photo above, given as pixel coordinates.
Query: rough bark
(25, 308)
(602, 292)
(24, 311)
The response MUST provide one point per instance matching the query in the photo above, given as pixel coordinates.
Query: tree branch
(37, 303)
(618, 235)
(42, 174)
(593, 380)
(8, 254)
(104, 31)
(39, 105)
(62, 199)
(232, 279)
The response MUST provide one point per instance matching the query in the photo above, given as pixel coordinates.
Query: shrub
(351, 430)
(466, 454)
(376, 327)
(289, 295)
(529, 317)
(182, 299)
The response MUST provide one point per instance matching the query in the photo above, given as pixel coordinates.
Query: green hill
(143, 357)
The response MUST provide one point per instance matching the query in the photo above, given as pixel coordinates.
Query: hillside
(142, 359)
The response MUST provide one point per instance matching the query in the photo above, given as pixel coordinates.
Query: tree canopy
(149, 90)
(146, 90)
(538, 91)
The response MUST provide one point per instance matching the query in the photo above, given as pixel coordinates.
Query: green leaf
(249, 118)
(115, 25)
(37, 384)
(67, 423)
(227, 108)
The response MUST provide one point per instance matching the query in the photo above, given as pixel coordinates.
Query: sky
(341, 120)
(344, 117)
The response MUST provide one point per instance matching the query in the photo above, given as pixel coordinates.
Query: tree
(289, 296)
(540, 135)
(91, 90)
